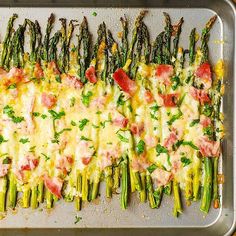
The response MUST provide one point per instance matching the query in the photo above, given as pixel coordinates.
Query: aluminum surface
(107, 214)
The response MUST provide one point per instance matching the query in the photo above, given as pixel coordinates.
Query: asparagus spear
(157, 50)
(167, 38)
(152, 200)
(124, 182)
(62, 55)
(34, 197)
(32, 32)
(3, 183)
(26, 196)
(79, 190)
(192, 40)
(124, 40)
(116, 177)
(12, 195)
(177, 30)
(158, 193)
(38, 48)
(52, 55)
(85, 184)
(142, 193)
(40, 191)
(177, 200)
(48, 199)
(7, 39)
(208, 177)
(45, 47)
(109, 181)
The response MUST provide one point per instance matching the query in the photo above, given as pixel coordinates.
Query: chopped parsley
(207, 109)
(2, 140)
(57, 135)
(32, 149)
(174, 117)
(43, 116)
(186, 161)
(58, 78)
(77, 219)
(6, 160)
(73, 123)
(86, 98)
(160, 149)
(24, 140)
(103, 123)
(175, 82)
(12, 86)
(46, 157)
(8, 110)
(140, 147)
(151, 168)
(83, 123)
(155, 108)
(185, 143)
(208, 131)
(36, 114)
(98, 112)
(84, 138)
(120, 100)
(72, 101)
(95, 126)
(56, 115)
(94, 13)
(121, 137)
(194, 122)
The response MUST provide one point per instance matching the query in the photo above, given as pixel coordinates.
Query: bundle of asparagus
(134, 115)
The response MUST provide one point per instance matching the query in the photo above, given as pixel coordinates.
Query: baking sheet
(104, 213)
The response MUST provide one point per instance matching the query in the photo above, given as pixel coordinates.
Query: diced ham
(73, 82)
(171, 140)
(200, 95)
(150, 141)
(48, 100)
(38, 71)
(205, 121)
(161, 177)
(164, 73)
(148, 96)
(169, 100)
(209, 148)
(140, 164)
(108, 155)
(64, 163)
(126, 84)
(54, 185)
(53, 66)
(4, 168)
(137, 128)
(119, 120)
(30, 162)
(90, 74)
(204, 73)
(17, 74)
(86, 160)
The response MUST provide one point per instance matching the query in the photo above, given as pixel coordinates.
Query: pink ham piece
(209, 148)
(140, 164)
(150, 140)
(164, 73)
(30, 162)
(4, 168)
(90, 74)
(199, 95)
(38, 71)
(161, 177)
(48, 100)
(119, 120)
(53, 66)
(205, 121)
(64, 163)
(73, 82)
(54, 185)
(137, 128)
(125, 83)
(171, 140)
(204, 73)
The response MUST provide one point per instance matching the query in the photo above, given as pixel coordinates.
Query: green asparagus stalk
(79, 190)
(116, 175)
(143, 194)
(85, 186)
(45, 47)
(26, 196)
(157, 50)
(34, 197)
(12, 195)
(96, 183)
(52, 55)
(124, 40)
(7, 40)
(167, 189)
(158, 193)
(48, 199)
(40, 191)
(3, 183)
(124, 183)
(167, 39)
(150, 192)
(109, 181)
(177, 200)
(177, 30)
(192, 39)
(147, 45)
(32, 33)
(38, 48)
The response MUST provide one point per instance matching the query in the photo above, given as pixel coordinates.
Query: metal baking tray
(107, 216)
